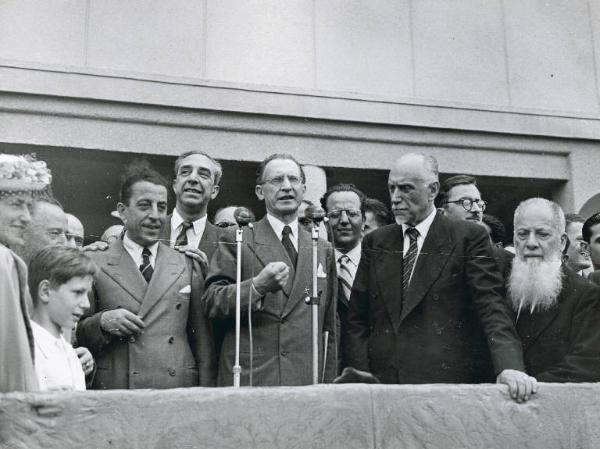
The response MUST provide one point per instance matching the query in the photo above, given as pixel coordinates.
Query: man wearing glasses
(197, 178)
(276, 279)
(344, 204)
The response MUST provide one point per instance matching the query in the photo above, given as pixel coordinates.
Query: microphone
(243, 217)
(316, 214)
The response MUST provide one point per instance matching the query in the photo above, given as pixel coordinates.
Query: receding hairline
(429, 165)
(558, 216)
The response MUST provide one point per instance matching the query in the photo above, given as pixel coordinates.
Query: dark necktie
(410, 257)
(286, 241)
(345, 276)
(145, 267)
(181, 239)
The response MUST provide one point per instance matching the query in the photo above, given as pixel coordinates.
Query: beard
(535, 283)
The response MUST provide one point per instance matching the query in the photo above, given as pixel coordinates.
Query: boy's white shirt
(56, 363)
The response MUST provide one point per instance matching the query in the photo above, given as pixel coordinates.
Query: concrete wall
(325, 416)
(493, 53)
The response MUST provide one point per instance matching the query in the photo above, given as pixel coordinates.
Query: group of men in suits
(423, 300)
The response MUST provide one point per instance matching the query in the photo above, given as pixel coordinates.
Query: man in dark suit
(344, 205)
(197, 178)
(423, 290)
(557, 311)
(276, 278)
(145, 325)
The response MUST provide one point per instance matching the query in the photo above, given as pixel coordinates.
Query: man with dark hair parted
(145, 326)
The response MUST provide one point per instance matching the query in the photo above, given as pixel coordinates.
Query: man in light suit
(276, 278)
(424, 289)
(196, 183)
(145, 326)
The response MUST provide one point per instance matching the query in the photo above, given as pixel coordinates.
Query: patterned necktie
(181, 239)
(145, 267)
(344, 275)
(410, 257)
(286, 241)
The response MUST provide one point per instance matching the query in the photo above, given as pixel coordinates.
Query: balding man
(75, 231)
(425, 289)
(557, 312)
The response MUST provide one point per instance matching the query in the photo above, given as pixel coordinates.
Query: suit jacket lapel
(165, 233)
(121, 268)
(210, 237)
(389, 273)
(167, 269)
(436, 250)
(303, 274)
(268, 248)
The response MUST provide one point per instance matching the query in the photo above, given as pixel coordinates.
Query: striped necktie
(145, 267)
(344, 275)
(286, 241)
(410, 257)
(182, 239)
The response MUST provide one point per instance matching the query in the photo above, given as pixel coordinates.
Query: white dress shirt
(278, 226)
(423, 229)
(354, 259)
(194, 234)
(135, 251)
(56, 363)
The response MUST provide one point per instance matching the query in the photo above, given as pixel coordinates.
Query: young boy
(59, 281)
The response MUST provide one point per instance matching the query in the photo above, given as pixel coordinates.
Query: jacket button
(438, 332)
(178, 306)
(172, 372)
(131, 339)
(436, 297)
(283, 353)
(171, 340)
(445, 366)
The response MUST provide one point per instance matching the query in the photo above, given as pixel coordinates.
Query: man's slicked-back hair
(218, 168)
(344, 188)
(58, 265)
(586, 231)
(430, 164)
(379, 210)
(139, 170)
(261, 167)
(453, 181)
(558, 216)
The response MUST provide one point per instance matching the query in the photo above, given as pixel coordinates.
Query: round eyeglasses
(467, 203)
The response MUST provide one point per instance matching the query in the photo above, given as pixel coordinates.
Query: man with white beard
(557, 312)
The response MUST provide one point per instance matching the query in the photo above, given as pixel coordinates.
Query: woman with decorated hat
(21, 177)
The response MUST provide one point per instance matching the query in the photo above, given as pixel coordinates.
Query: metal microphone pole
(243, 218)
(316, 214)
(237, 369)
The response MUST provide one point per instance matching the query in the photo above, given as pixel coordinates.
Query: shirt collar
(136, 248)
(424, 226)
(278, 226)
(44, 339)
(177, 219)
(354, 254)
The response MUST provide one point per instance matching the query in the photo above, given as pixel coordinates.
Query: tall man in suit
(423, 290)
(145, 326)
(276, 278)
(344, 205)
(557, 311)
(196, 183)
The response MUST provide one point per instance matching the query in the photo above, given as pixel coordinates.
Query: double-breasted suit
(453, 308)
(281, 321)
(176, 346)
(562, 344)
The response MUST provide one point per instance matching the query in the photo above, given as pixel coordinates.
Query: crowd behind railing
(429, 292)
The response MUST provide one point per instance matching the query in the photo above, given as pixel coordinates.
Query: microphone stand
(237, 369)
(314, 299)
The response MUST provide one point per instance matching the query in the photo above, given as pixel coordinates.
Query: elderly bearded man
(557, 312)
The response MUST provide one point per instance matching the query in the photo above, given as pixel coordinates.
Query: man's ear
(44, 291)
(259, 192)
(434, 189)
(121, 208)
(215, 191)
(563, 242)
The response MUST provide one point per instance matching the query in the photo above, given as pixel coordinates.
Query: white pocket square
(187, 289)
(320, 272)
